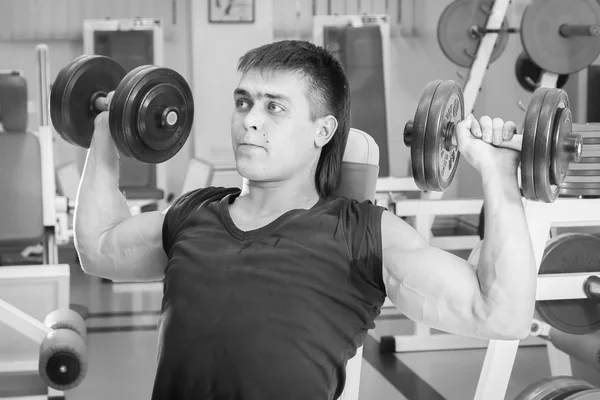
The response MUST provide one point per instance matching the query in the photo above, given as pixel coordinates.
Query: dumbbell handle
(99, 101)
(568, 30)
(573, 142)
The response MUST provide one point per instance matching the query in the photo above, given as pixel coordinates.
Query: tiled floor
(122, 342)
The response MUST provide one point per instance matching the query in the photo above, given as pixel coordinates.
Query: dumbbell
(150, 114)
(547, 143)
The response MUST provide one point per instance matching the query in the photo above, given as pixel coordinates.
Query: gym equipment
(150, 115)
(584, 348)
(13, 101)
(459, 39)
(561, 36)
(583, 180)
(554, 388)
(547, 145)
(529, 74)
(558, 36)
(571, 253)
(63, 353)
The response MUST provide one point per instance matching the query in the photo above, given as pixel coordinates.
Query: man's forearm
(506, 269)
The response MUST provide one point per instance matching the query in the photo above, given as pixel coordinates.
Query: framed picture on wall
(231, 11)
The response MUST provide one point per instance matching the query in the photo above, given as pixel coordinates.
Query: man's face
(272, 134)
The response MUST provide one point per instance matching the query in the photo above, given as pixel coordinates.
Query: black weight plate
(582, 193)
(417, 144)
(527, 151)
(582, 172)
(138, 120)
(529, 74)
(554, 388)
(591, 394)
(117, 108)
(545, 45)
(453, 34)
(544, 190)
(71, 112)
(545, 154)
(441, 157)
(574, 252)
(589, 160)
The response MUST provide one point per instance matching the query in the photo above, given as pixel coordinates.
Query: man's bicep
(427, 284)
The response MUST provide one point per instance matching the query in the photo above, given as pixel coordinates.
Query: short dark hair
(328, 92)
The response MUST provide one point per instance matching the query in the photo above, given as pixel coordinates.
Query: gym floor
(122, 340)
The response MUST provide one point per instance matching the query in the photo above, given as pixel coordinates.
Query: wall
(206, 55)
(21, 55)
(216, 50)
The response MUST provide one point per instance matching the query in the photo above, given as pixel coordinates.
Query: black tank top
(271, 313)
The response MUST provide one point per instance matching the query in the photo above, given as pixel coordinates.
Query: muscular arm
(112, 243)
(492, 300)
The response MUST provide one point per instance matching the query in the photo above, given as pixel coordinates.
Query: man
(271, 289)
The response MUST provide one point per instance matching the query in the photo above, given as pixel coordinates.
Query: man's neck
(276, 198)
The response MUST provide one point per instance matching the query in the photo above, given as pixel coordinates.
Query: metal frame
(51, 270)
(90, 26)
(500, 356)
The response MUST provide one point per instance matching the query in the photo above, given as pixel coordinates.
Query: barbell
(559, 36)
(150, 114)
(547, 143)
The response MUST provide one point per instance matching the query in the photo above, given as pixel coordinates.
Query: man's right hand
(101, 127)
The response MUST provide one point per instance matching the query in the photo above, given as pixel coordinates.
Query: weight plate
(117, 107)
(554, 388)
(454, 35)
(545, 45)
(417, 144)
(71, 111)
(582, 172)
(545, 190)
(589, 160)
(562, 137)
(579, 193)
(529, 74)
(573, 252)
(592, 394)
(152, 114)
(529, 139)
(441, 156)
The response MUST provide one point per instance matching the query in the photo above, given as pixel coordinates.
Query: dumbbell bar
(547, 145)
(150, 114)
(559, 36)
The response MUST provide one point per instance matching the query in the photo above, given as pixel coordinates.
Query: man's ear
(327, 127)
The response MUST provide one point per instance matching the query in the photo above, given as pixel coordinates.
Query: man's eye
(275, 108)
